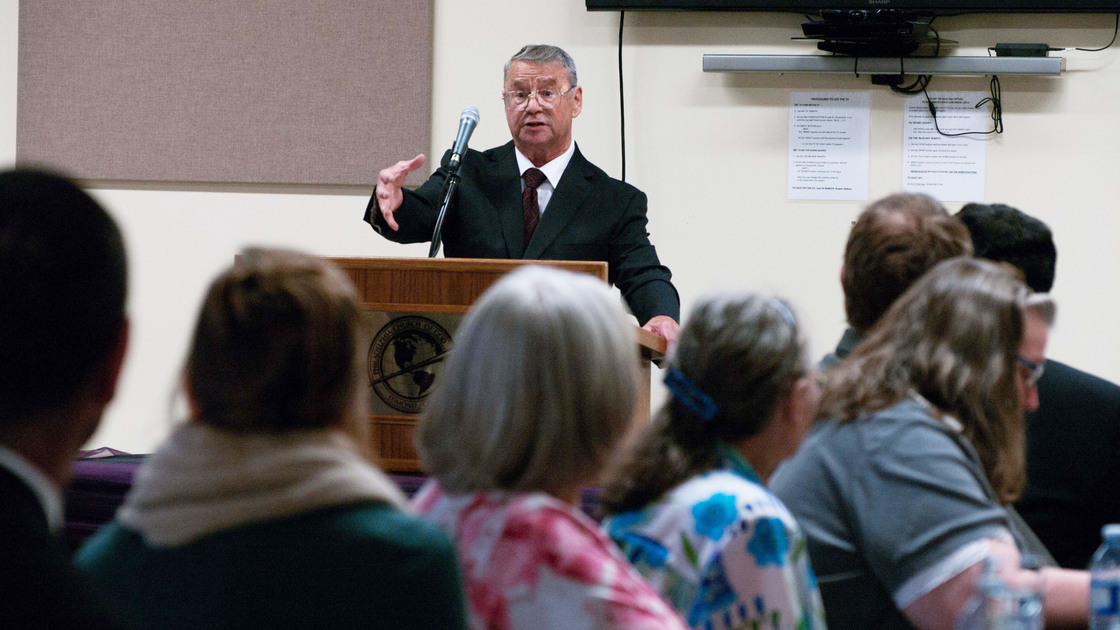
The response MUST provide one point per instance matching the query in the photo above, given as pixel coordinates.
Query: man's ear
(108, 374)
(802, 404)
(577, 99)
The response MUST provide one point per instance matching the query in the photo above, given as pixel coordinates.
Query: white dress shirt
(43, 488)
(552, 170)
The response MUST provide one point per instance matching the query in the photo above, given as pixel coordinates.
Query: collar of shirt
(43, 488)
(552, 170)
(733, 461)
(848, 343)
(950, 421)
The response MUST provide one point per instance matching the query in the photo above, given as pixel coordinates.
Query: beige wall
(709, 149)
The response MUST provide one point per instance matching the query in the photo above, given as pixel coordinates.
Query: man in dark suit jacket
(584, 213)
(1073, 439)
(64, 331)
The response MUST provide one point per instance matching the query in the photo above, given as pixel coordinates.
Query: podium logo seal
(403, 361)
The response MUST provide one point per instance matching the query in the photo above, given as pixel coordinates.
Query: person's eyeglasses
(1034, 371)
(547, 98)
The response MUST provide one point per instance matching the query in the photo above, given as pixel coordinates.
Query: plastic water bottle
(977, 609)
(996, 605)
(1104, 594)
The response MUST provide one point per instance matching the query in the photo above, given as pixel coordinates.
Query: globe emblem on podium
(404, 358)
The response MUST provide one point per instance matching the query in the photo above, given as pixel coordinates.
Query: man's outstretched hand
(389, 183)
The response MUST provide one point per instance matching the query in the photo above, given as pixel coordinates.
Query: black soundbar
(835, 30)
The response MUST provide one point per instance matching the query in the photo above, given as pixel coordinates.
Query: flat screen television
(913, 7)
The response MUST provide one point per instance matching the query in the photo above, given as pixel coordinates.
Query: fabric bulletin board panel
(248, 91)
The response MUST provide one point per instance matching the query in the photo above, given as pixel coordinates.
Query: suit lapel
(21, 505)
(570, 192)
(504, 194)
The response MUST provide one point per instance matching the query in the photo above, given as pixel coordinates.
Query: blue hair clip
(783, 310)
(688, 394)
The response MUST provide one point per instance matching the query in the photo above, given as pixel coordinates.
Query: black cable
(919, 85)
(997, 111)
(1115, 29)
(621, 95)
(996, 99)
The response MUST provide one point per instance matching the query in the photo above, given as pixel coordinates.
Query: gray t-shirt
(883, 499)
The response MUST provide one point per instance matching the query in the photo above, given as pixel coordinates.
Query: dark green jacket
(361, 566)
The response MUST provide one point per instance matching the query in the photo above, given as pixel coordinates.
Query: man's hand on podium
(665, 326)
(389, 183)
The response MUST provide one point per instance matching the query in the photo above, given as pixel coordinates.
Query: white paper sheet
(829, 145)
(946, 168)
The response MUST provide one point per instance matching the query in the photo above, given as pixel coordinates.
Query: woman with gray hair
(536, 393)
(904, 491)
(689, 504)
(263, 510)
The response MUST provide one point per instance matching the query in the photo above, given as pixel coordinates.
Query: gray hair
(742, 351)
(1042, 305)
(538, 389)
(542, 54)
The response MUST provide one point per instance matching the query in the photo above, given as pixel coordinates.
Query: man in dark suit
(1073, 439)
(578, 211)
(64, 331)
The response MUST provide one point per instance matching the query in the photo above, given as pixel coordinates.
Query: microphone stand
(452, 184)
(467, 121)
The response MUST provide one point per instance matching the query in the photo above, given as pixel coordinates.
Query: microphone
(467, 121)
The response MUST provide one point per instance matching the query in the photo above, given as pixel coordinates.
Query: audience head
(538, 389)
(739, 369)
(275, 347)
(62, 316)
(954, 338)
(893, 242)
(1005, 234)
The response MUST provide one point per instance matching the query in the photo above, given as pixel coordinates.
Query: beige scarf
(204, 480)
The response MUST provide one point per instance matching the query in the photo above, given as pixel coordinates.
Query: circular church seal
(403, 360)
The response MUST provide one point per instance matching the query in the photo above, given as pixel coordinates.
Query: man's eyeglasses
(1034, 371)
(546, 98)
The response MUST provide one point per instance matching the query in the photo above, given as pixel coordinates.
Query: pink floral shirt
(533, 561)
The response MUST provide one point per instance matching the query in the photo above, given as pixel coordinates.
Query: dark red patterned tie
(530, 209)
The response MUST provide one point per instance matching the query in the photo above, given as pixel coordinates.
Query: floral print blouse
(532, 561)
(724, 551)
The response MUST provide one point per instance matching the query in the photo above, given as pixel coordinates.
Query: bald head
(892, 244)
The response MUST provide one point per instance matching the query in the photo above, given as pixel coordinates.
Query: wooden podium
(409, 290)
